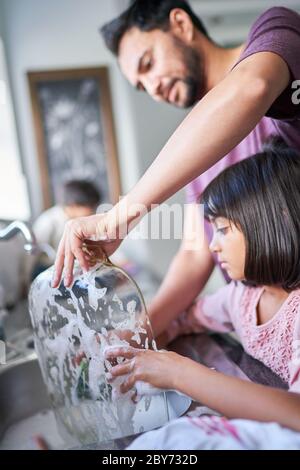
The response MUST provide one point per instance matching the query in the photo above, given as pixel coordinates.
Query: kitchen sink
(27, 420)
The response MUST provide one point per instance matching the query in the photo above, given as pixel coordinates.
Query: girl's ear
(181, 25)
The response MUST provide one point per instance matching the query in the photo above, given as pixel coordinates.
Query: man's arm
(188, 274)
(221, 120)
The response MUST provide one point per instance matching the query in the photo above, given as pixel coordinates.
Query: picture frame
(74, 131)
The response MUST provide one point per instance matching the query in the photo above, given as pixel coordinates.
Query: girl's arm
(234, 398)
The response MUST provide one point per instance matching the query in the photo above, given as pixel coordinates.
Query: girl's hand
(159, 369)
(87, 239)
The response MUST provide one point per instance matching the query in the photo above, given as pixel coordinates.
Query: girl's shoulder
(240, 296)
(245, 292)
(293, 307)
(294, 298)
(294, 310)
(249, 296)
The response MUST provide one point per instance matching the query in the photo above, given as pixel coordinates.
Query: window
(14, 203)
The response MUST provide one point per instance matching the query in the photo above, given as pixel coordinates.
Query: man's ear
(181, 25)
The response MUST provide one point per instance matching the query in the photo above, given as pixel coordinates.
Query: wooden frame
(61, 85)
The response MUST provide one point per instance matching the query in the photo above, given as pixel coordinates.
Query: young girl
(254, 208)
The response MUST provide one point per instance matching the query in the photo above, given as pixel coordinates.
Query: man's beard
(194, 73)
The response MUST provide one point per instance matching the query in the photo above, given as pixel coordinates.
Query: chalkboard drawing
(74, 130)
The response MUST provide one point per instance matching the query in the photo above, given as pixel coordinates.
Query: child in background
(79, 198)
(254, 207)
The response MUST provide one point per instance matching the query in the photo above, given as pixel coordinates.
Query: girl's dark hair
(146, 15)
(261, 196)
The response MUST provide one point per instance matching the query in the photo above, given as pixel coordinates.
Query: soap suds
(71, 352)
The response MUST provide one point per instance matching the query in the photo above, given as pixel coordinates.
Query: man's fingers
(69, 264)
(59, 264)
(81, 258)
(91, 263)
(77, 243)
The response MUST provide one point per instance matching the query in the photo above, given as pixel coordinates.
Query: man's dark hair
(261, 196)
(80, 193)
(145, 15)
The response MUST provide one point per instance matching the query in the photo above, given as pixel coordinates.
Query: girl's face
(229, 244)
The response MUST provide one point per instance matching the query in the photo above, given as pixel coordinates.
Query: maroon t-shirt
(278, 30)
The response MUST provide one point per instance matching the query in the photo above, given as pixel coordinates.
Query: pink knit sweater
(276, 343)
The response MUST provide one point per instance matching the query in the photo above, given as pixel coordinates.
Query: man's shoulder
(274, 16)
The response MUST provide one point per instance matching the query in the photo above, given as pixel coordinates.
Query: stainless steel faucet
(33, 248)
(31, 245)
(14, 228)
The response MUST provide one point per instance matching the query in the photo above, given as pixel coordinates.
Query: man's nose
(153, 86)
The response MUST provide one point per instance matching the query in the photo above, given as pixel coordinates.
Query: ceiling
(228, 21)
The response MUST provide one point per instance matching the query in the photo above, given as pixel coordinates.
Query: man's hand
(87, 239)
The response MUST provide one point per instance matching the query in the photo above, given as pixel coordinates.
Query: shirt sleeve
(277, 30)
(214, 312)
(43, 228)
(193, 191)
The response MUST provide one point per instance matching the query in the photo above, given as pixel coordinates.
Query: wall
(61, 34)
(1, 20)
(228, 21)
(11, 251)
(14, 203)
(64, 33)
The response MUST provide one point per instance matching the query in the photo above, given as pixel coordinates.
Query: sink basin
(18, 332)
(26, 416)
(25, 410)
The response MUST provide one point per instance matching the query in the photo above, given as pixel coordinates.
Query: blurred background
(63, 34)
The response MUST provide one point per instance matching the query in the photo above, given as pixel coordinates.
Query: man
(241, 96)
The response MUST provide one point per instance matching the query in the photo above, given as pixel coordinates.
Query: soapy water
(73, 328)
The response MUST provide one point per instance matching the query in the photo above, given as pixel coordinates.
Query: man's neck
(217, 61)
